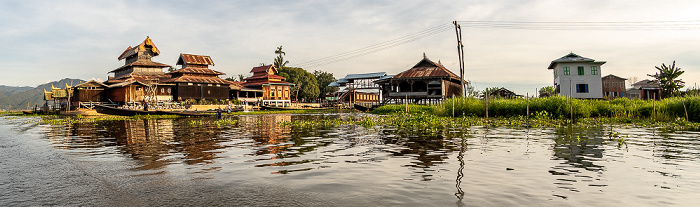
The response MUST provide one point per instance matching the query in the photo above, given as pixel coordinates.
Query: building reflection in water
(579, 150)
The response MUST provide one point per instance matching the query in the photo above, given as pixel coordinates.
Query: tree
(279, 61)
(471, 89)
(306, 83)
(632, 80)
(666, 78)
(241, 77)
(547, 91)
(324, 79)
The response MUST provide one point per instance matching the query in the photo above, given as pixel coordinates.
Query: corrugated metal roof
(122, 84)
(334, 84)
(424, 69)
(191, 59)
(195, 79)
(133, 51)
(571, 58)
(614, 76)
(206, 71)
(365, 76)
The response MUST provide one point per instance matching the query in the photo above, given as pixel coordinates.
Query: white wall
(565, 82)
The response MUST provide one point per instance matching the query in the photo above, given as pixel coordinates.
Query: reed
(558, 107)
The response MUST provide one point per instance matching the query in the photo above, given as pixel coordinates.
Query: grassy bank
(559, 108)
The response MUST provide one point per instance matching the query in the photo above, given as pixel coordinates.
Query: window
(162, 90)
(580, 70)
(169, 90)
(607, 83)
(189, 84)
(567, 71)
(581, 88)
(555, 73)
(594, 70)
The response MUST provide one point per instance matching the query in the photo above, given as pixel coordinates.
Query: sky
(43, 41)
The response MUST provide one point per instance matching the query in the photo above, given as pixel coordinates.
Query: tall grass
(559, 107)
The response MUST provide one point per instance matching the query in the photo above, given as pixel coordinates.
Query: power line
(377, 47)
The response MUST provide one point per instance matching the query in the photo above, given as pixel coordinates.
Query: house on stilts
(424, 83)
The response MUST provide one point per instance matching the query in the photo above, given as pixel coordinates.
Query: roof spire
(424, 56)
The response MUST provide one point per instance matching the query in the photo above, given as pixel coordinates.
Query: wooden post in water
(527, 107)
(487, 106)
(686, 111)
(653, 104)
(571, 102)
(453, 106)
(406, 103)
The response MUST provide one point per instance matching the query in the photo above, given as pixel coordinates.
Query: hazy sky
(43, 41)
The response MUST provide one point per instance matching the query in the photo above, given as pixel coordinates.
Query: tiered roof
(195, 70)
(265, 75)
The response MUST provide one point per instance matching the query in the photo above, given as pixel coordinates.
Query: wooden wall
(199, 91)
(85, 95)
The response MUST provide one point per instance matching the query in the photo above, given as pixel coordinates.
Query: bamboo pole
(527, 107)
(686, 111)
(571, 102)
(487, 106)
(453, 106)
(653, 104)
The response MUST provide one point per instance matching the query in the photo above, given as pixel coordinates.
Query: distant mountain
(17, 98)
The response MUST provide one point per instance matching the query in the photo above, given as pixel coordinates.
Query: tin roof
(197, 79)
(91, 83)
(426, 68)
(614, 76)
(191, 59)
(126, 83)
(189, 70)
(572, 58)
(141, 47)
(365, 76)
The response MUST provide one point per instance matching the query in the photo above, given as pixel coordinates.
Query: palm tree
(666, 78)
(279, 61)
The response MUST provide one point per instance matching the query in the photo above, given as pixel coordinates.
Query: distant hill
(17, 98)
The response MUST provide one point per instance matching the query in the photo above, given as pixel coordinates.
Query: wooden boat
(365, 108)
(27, 112)
(266, 107)
(123, 112)
(132, 112)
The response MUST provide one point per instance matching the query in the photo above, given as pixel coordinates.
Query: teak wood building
(196, 81)
(613, 86)
(275, 89)
(139, 78)
(425, 82)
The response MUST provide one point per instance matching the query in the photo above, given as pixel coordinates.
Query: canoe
(123, 112)
(27, 112)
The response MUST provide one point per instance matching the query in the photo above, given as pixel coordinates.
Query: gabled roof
(141, 47)
(614, 76)
(197, 79)
(197, 71)
(91, 83)
(265, 76)
(263, 68)
(426, 68)
(572, 58)
(122, 84)
(190, 59)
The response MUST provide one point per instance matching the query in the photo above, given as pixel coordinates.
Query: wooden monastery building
(196, 81)
(274, 89)
(425, 82)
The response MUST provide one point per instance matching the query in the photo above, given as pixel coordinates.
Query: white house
(577, 76)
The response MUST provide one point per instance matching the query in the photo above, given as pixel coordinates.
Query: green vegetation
(324, 79)
(666, 78)
(306, 85)
(300, 111)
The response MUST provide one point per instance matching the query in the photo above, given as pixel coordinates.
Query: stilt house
(425, 82)
(275, 89)
(196, 81)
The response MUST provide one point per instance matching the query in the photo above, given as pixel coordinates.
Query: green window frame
(567, 71)
(580, 70)
(594, 70)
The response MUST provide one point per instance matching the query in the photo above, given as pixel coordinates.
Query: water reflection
(568, 160)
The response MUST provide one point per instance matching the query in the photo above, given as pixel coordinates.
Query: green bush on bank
(560, 107)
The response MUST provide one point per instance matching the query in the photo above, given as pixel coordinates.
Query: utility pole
(460, 55)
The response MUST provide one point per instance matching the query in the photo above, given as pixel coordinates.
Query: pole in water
(453, 106)
(571, 101)
(527, 107)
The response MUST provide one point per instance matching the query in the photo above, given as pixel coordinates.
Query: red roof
(132, 51)
(141, 63)
(257, 83)
(427, 69)
(263, 68)
(194, 60)
(197, 71)
(265, 76)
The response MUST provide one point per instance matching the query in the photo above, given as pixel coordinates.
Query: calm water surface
(260, 162)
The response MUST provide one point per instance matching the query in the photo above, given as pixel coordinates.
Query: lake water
(260, 162)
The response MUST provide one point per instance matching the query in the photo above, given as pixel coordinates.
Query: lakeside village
(141, 85)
